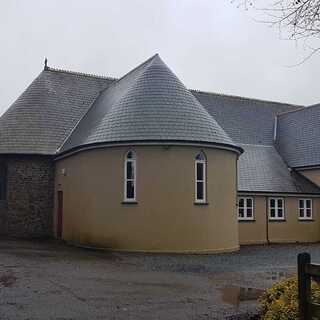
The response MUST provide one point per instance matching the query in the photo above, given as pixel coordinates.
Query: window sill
(277, 220)
(201, 203)
(129, 202)
(305, 220)
(247, 220)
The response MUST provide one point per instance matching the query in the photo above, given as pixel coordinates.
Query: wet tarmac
(50, 280)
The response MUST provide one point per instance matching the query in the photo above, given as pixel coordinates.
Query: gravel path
(50, 280)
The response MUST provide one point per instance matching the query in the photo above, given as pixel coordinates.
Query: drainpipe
(267, 222)
(275, 127)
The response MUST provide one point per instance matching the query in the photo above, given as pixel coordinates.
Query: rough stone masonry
(27, 210)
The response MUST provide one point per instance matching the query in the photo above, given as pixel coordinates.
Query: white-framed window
(305, 209)
(130, 174)
(245, 208)
(276, 208)
(200, 178)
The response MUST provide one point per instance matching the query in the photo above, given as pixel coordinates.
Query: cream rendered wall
(165, 219)
(312, 174)
(293, 229)
(254, 232)
(290, 230)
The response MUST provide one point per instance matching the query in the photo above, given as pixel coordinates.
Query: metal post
(304, 285)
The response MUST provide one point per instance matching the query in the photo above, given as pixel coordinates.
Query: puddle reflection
(237, 287)
(235, 295)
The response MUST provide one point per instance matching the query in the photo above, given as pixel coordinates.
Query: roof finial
(46, 64)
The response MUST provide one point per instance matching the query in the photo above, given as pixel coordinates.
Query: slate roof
(148, 104)
(298, 137)
(63, 110)
(42, 117)
(247, 121)
(250, 123)
(262, 169)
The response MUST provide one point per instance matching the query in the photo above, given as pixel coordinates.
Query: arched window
(200, 178)
(130, 177)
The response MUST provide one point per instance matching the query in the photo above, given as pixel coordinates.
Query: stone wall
(28, 209)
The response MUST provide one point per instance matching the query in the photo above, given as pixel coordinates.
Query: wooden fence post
(304, 283)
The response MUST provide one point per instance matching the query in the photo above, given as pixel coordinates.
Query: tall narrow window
(3, 181)
(305, 209)
(245, 208)
(200, 178)
(130, 177)
(276, 208)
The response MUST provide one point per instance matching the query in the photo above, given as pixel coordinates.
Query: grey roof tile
(245, 120)
(261, 169)
(298, 137)
(41, 118)
(148, 104)
(151, 103)
(250, 123)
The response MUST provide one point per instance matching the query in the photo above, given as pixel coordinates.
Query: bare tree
(299, 19)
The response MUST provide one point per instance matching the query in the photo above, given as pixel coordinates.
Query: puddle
(235, 295)
(237, 287)
(7, 280)
(265, 278)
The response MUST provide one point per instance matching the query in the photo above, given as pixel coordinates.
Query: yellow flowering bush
(280, 302)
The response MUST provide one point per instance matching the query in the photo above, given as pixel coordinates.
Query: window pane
(200, 156)
(301, 213)
(200, 171)
(130, 190)
(129, 155)
(130, 170)
(308, 213)
(241, 202)
(249, 213)
(280, 203)
(301, 204)
(280, 213)
(272, 203)
(241, 213)
(308, 204)
(272, 213)
(200, 190)
(249, 202)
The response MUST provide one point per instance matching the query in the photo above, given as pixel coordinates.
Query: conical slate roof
(148, 104)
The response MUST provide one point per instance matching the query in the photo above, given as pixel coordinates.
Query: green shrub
(280, 302)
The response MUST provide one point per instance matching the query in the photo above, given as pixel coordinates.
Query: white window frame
(133, 160)
(304, 208)
(245, 207)
(204, 181)
(276, 217)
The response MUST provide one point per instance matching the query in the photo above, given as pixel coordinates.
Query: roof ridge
(91, 75)
(137, 67)
(314, 105)
(244, 98)
(77, 73)
(129, 73)
(298, 110)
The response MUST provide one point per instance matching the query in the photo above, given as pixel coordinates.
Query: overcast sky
(210, 44)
